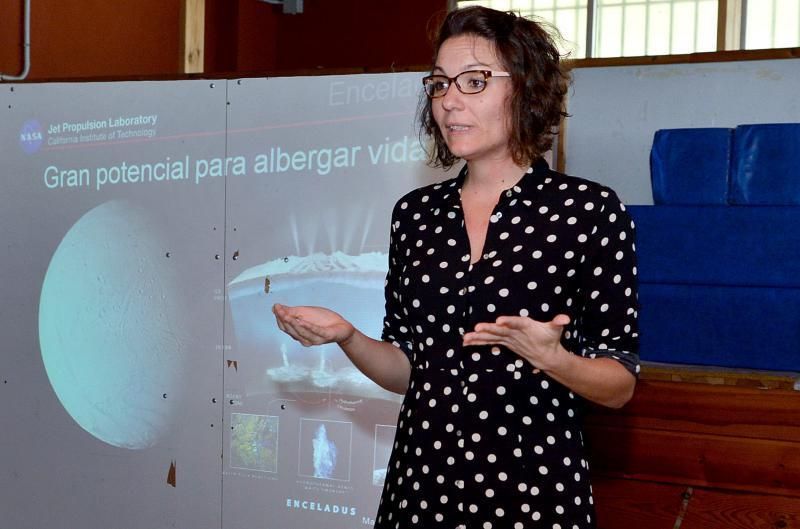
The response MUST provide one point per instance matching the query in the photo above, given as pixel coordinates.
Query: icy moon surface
(113, 329)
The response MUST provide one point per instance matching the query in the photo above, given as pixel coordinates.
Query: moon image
(113, 335)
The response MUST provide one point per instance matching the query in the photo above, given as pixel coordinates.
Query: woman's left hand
(537, 342)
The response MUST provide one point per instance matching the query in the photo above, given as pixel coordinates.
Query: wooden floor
(697, 449)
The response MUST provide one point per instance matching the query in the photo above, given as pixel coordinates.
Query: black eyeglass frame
(427, 81)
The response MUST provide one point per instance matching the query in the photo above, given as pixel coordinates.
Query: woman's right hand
(312, 325)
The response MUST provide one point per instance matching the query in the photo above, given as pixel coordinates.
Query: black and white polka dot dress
(484, 440)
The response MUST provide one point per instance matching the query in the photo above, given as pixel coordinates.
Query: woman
(510, 298)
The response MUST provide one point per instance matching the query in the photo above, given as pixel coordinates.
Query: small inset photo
(254, 442)
(384, 437)
(325, 449)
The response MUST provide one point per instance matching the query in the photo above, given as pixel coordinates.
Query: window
(569, 16)
(619, 28)
(655, 27)
(775, 24)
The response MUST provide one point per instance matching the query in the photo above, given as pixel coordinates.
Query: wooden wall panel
(192, 36)
(712, 509)
(711, 409)
(625, 503)
(697, 459)
(735, 448)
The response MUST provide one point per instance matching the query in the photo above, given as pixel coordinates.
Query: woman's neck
(490, 177)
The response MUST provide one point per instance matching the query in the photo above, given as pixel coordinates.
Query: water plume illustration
(324, 454)
(349, 284)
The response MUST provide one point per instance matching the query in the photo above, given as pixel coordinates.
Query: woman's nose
(453, 98)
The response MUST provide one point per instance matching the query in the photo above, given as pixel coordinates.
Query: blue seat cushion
(691, 166)
(718, 245)
(756, 328)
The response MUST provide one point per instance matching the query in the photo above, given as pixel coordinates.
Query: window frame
(731, 31)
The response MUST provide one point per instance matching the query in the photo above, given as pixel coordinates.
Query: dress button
(509, 193)
(458, 433)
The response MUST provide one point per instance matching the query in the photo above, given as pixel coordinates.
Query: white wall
(616, 110)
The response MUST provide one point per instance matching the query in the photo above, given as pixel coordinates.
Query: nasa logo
(30, 136)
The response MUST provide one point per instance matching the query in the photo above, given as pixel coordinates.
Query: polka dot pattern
(481, 421)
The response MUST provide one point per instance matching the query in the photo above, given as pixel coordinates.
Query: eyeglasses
(469, 82)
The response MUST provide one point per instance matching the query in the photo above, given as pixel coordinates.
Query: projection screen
(147, 229)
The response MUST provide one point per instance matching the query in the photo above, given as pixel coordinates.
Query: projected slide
(148, 228)
(309, 224)
(112, 214)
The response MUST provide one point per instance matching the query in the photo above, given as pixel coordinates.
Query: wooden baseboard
(737, 445)
(626, 503)
(719, 376)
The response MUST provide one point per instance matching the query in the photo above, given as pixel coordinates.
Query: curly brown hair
(540, 80)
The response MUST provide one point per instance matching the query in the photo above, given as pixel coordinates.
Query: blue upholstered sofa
(719, 252)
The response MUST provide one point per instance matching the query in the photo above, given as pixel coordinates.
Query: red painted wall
(11, 38)
(96, 38)
(351, 33)
(221, 41)
(328, 35)
(92, 38)
(256, 37)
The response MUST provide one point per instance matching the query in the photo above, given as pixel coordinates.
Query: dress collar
(535, 174)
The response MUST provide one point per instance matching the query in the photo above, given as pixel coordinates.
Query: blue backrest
(691, 166)
(766, 165)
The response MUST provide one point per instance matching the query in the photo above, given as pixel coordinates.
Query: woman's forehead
(464, 52)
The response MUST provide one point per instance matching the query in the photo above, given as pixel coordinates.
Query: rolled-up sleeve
(609, 317)
(395, 325)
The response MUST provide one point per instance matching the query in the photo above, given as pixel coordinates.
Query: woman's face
(475, 126)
